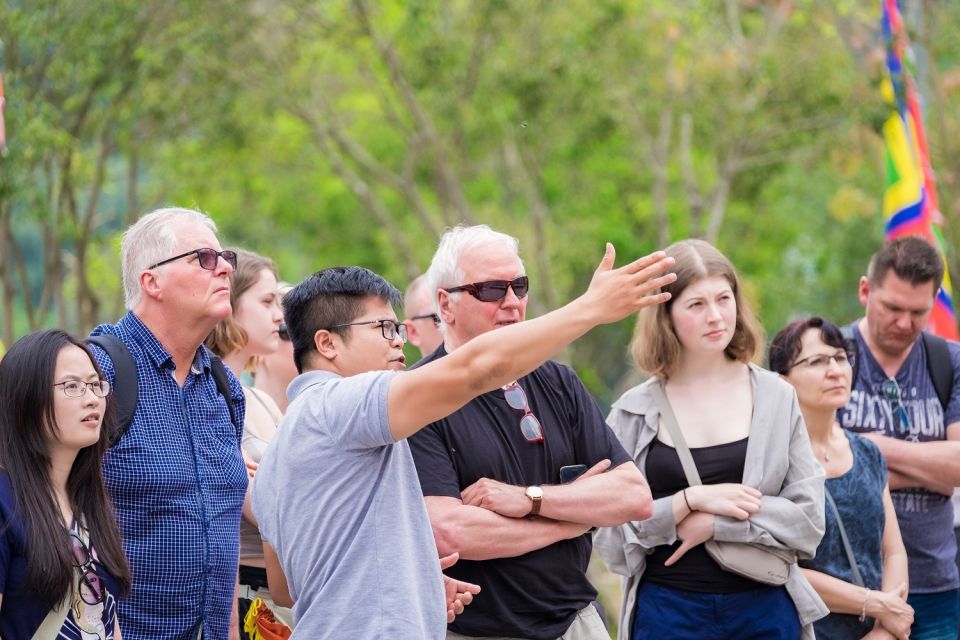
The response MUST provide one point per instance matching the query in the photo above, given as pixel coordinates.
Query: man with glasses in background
(500, 475)
(176, 476)
(895, 403)
(423, 323)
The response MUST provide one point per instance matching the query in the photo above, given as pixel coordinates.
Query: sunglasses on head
(494, 290)
(206, 257)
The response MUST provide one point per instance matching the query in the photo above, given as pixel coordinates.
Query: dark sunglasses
(206, 256)
(891, 391)
(530, 426)
(83, 560)
(494, 290)
(284, 332)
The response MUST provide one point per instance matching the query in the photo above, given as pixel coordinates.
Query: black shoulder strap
(939, 366)
(847, 331)
(126, 390)
(223, 386)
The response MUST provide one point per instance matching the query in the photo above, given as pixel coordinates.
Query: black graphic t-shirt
(925, 517)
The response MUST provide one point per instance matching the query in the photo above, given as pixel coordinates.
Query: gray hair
(150, 240)
(445, 268)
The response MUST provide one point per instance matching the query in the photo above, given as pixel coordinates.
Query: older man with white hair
(516, 478)
(176, 476)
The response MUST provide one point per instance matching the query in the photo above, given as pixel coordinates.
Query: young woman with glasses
(61, 560)
(760, 484)
(252, 332)
(866, 597)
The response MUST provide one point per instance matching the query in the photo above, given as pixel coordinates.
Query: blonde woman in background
(761, 485)
(275, 371)
(253, 331)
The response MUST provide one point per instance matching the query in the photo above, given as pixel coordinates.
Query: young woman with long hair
(252, 332)
(61, 559)
(760, 484)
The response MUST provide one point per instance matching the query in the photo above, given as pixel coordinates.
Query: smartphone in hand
(571, 472)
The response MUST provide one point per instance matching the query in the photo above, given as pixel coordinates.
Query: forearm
(478, 534)
(894, 570)
(838, 595)
(932, 464)
(604, 500)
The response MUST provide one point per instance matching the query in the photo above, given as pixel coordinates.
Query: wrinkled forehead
(191, 234)
(491, 262)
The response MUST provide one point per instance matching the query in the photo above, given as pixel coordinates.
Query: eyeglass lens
(284, 331)
(497, 289)
(530, 426)
(76, 388)
(390, 329)
(208, 258)
(89, 576)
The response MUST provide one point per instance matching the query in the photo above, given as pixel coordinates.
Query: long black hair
(26, 418)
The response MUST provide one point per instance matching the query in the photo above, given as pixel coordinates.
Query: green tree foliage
(353, 131)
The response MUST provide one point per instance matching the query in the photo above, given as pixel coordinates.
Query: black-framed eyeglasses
(206, 257)
(83, 560)
(495, 290)
(425, 316)
(284, 332)
(530, 426)
(891, 391)
(76, 388)
(821, 361)
(389, 328)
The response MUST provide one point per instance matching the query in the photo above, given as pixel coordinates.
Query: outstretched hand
(458, 593)
(614, 294)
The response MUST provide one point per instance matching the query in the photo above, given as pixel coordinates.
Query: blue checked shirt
(177, 481)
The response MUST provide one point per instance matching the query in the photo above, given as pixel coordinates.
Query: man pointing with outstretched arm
(337, 495)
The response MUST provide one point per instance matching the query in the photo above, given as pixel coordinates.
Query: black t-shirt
(536, 595)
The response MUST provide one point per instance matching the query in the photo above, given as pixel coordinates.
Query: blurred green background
(353, 131)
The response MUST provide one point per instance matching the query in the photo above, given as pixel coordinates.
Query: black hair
(27, 416)
(330, 297)
(911, 258)
(786, 344)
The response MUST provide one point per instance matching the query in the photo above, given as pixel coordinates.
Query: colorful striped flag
(910, 201)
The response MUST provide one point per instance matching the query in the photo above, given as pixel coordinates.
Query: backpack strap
(219, 373)
(126, 389)
(939, 366)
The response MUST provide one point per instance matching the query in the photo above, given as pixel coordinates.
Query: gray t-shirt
(925, 517)
(340, 503)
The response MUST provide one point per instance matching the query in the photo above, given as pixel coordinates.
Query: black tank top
(696, 570)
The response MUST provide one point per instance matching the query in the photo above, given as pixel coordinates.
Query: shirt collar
(155, 350)
(308, 379)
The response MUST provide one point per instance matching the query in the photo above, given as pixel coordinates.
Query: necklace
(825, 450)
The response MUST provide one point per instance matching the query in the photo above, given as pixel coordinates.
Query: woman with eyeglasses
(866, 593)
(62, 564)
(252, 332)
(723, 446)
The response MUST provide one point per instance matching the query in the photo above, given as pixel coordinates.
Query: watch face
(534, 492)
